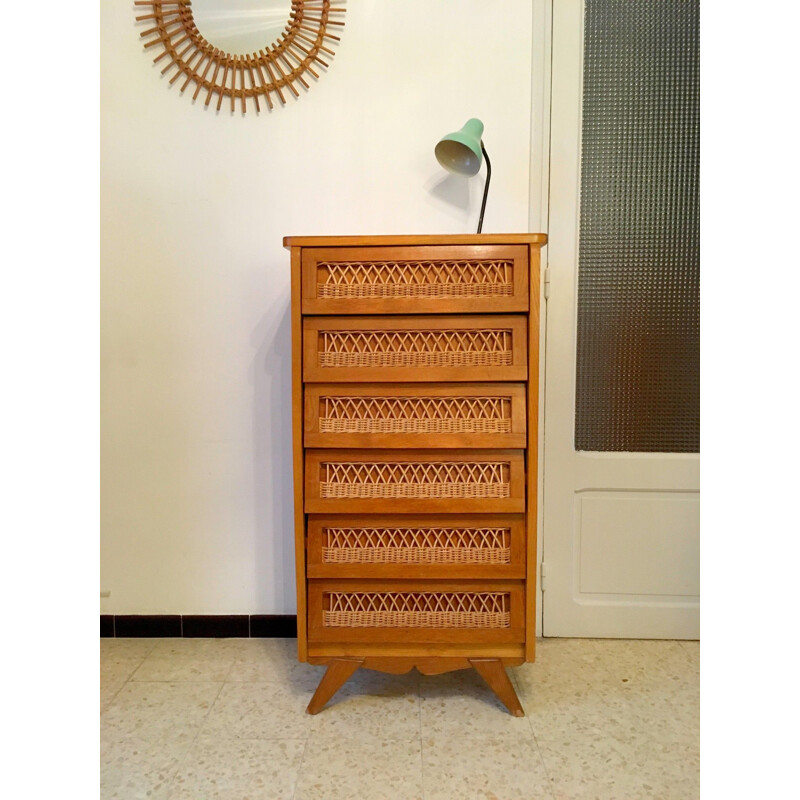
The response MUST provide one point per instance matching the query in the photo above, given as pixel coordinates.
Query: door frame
(538, 222)
(544, 152)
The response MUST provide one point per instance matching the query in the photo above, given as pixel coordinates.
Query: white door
(620, 529)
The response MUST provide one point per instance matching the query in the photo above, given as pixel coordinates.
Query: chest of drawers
(415, 414)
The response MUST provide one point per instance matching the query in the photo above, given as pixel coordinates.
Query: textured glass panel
(638, 380)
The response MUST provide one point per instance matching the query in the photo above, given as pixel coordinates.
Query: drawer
(409, 481)
(428, 415)
(375, 349)
(416, 611)
(408, 280)
(429, 546)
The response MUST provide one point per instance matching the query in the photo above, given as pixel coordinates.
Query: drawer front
(376, 349)
(409, 280)
(416, 611)
(409, 481)
(430, 415)
(429, 546)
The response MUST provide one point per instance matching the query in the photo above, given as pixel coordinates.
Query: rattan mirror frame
(275, 67)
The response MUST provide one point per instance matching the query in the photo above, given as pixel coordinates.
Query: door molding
(538, 221)
(639, 609)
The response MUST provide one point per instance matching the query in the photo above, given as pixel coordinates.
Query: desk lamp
(460, 153)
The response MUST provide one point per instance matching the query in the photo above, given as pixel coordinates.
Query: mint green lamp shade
(460, 152)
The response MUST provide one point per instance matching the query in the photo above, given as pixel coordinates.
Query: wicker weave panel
(416, 610)
(416, 348)
(440, 359)
(417, 546)
(415, 415)
(409, 279)
(415, 479)
(415, 425)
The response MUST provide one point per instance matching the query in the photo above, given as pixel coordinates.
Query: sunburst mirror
(230, 63)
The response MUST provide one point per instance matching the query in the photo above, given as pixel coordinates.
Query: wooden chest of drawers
(415, 414)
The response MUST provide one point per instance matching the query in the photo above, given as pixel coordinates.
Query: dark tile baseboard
(243, 626)
(138, 626)
(215, 627)
(273, 626)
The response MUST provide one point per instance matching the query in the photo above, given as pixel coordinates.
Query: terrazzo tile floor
(202, 719)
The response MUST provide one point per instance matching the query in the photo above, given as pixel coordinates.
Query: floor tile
(644, 659)
(563, 689)
(615, 719)
(117, 665)
(560, 679)
(145, 733)
(373, 704)
(507, 767)
(692, 650)
(654, 686)
(461, 703)
(604, 768)
(552, 653)
(159, 710)
(583, 767)
(587, 716)
(132, 767)
(108, 691)
(274, 660)
(119, 668)
(112, 679)
(179, 648)
(341, 768)
(258, 711)
(658, 713)
(625, 690)
(234, 769)
(189, 660)
(128, 648)
(604, 719)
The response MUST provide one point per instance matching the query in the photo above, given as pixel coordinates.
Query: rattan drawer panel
(434, 546)
(466, 348)
(409, 280)
(416, 611)
(409, 481)
(431, 415)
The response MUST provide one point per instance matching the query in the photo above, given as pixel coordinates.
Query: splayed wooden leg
(493, 672)
(339, 670)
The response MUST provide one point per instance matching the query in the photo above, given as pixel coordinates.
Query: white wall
(196, 447)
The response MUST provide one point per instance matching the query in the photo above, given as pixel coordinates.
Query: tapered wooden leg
(339, 670)
(493, 672)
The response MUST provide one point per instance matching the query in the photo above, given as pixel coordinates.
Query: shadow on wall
(453, 190)
(273, 487)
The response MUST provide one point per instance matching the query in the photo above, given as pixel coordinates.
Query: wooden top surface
(389, 241)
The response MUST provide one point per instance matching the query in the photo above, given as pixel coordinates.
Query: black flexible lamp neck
(486, 186)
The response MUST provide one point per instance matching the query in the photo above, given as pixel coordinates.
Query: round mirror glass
(241, 27)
